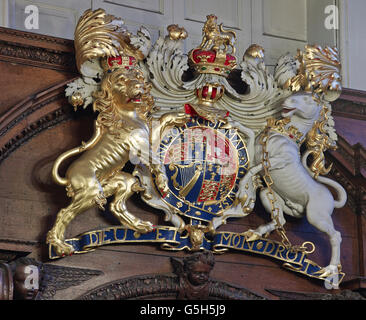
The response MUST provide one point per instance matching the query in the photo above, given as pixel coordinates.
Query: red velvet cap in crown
(209, 93)
(212, 55)
(111, 63)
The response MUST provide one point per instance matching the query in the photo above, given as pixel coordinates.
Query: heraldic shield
(205, 134)
(203, 164)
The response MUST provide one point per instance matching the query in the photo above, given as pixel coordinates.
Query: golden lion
(215, 36)
(124, 104)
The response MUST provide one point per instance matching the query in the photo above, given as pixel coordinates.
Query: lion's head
(211, 24)
(123, 90)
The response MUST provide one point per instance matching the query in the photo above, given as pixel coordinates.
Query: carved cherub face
(23, 288)
(199, 273)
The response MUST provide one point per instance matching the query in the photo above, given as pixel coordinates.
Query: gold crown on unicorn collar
(213, 55)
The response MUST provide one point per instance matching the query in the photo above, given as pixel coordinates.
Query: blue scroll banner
(171, 239)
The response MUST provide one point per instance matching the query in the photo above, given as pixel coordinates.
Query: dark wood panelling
(32, 63)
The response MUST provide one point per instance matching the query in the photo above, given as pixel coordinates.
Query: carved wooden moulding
(38, 50)
(190, 281)
(28, 279)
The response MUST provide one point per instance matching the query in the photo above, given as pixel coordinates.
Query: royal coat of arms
(207, 135)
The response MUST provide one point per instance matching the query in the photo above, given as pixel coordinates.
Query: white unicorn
(295, 188)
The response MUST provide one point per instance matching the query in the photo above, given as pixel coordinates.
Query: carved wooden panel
(57, 18)
(233, 14)
(278, 22)
(352, 42)
(155, 6)
(32, 63)
(278, 25)
(230, 11)
(318, 14)
(154, 15)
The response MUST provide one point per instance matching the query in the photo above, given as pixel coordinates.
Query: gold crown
(212, 56)
(110, 63)
(212, 62)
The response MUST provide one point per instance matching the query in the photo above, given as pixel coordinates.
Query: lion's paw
(61, 248)
(142, 226)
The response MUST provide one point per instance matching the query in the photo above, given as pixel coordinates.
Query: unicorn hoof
(251, 235)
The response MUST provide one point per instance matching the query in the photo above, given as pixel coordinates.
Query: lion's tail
(233, 34)
(342, 194)
(73, 152)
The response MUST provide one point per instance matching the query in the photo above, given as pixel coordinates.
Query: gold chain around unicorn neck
(291, 132)
(270, 194)
(318, 142)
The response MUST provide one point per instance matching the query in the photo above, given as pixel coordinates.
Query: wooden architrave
(34, 113)
(31, 116)
(351, 104)
(162, 286)
(37, 50)
(350, 170)
(45, 108)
